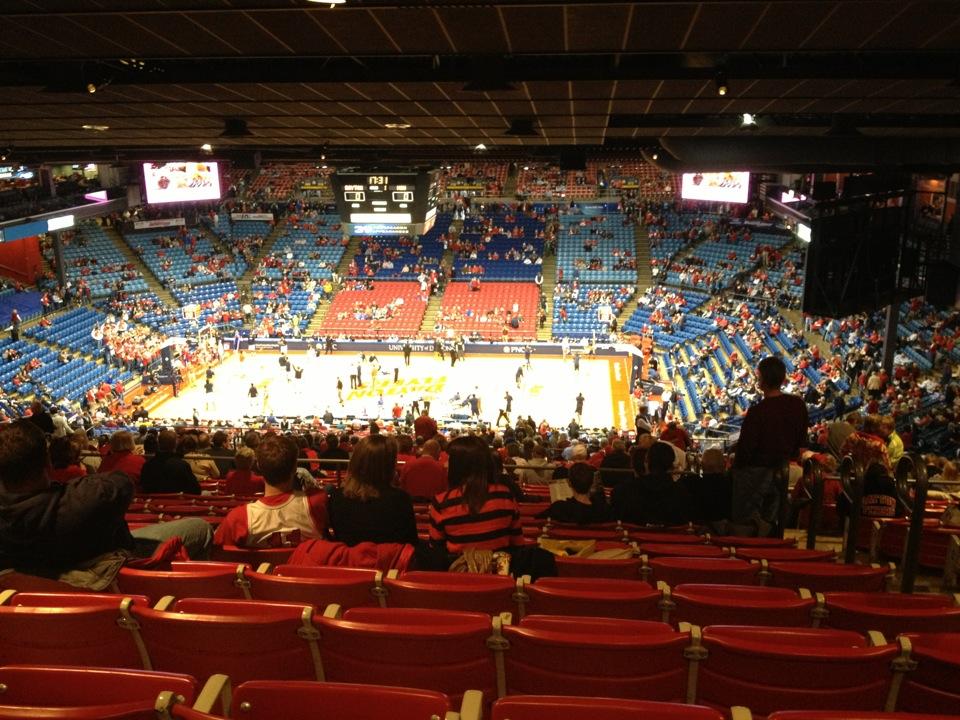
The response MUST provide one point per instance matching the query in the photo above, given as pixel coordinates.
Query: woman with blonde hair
(368, 507)
(122, 458)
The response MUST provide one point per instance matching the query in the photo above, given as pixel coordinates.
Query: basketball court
(548, 389)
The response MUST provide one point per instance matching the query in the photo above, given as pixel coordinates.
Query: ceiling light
(397, 125)
(97, 128)
(722, 87)
(91, 88)
(480, 147)
(331, 3)
(655, 156)
(207, 147)
(748, 120)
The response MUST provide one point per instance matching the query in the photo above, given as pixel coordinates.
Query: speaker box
(573, 160)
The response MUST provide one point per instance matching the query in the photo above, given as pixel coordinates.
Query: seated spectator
(651, 497)
(711, 492)
(425, 477)
(367, 507)
(515, 457)
(536, 471)
(868, 446)
(242, 480)
(121, 457)
(614, 465)
(334, 452)
(223, 456)
(585, 507)
(167, 472)
(65, 461)
(283, 515)
(203, 468)
(425, 426)
(40, 417)
(49, 528)
(477, 511)
(879, 496)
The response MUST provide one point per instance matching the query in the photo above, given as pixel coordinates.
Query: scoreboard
(381, 202)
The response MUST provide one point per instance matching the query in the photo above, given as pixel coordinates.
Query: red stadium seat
(739, 605)
(405, 321)
(933, 686)
(585, 533)
(752, 542)
(626, 569)
(440, 650)
(675, 538)
(547, 707)
(678, 570)
(824, 577)
(254, 557)
(319, 586)
(796, 669)
(87, 629)
(601, 657)
(224, 581)
(304, 700)
(682, 550)
(846, 715)
(492, 295)
(51, 692)
(891, 613)
(242, 639)
(595, 597)
(490, 594)
(780, 554)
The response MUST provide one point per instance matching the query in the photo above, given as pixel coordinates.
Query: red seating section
(891, 613)
(406, 319)
(626, 599)
(540, 707)
(490, 594)
(679, 570)
(740, 605)
(933, 686)
(823, 577)
(491, 296)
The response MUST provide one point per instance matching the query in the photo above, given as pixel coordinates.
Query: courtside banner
(161, 223)
(268, 217)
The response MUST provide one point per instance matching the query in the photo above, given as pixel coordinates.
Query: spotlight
(207, 148)
(748, 120)
(655, 156)
(91, 88)
(722, 86)
(480, 147)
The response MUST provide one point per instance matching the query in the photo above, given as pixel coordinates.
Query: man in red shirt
(283, 515)
(425, 426)
(425, 477)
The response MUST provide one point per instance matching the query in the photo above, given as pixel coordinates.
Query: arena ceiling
(304, 77)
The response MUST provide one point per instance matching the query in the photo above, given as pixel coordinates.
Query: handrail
(851, 480)
(912, 465)
(813, 482)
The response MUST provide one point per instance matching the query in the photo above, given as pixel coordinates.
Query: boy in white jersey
(282, 514)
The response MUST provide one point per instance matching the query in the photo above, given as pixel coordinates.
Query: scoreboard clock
(392, 200)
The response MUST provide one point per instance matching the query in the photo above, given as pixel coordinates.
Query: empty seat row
(452, 652)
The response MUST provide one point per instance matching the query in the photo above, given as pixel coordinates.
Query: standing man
(396, 375)
(359, 374)
(474, 402)
(506, 409)
(14, 325)
(527, 350)
(340, 390)
(519, 375)
(328, 344)
(579, 412)
(576, 362)
(773, 432)
(407, 351)
(454, 355)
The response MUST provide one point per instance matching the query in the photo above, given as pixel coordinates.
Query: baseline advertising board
(731, 187)
(181, 182)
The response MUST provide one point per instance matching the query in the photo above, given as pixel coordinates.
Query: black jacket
(62, 526)
(651, 500)
(574, 512)
(386, 519)
(168, 473)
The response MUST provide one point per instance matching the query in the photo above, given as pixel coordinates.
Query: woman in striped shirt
(477, 511)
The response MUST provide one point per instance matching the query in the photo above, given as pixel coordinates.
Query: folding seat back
(540, 707)
(826, 577)
(684, 550)
(490, 594)
(33, 691)
(781, 554)
(796, 669)
(254, 557)
(442, 650)
(752, 542)
(679, 570)
(296, 700)
(625, 569)
(68, 629)
(605, 534)
(226, 581)
(319, 586)
(242, 639)
(664, 538)
(846, 715)
(890, 613)
(598, 657)
(933, 686)
(706, 604)
(593, 597)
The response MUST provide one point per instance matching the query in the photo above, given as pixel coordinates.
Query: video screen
(731, 187)
(181, 182)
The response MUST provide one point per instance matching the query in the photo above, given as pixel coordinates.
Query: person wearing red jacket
(121, 457)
